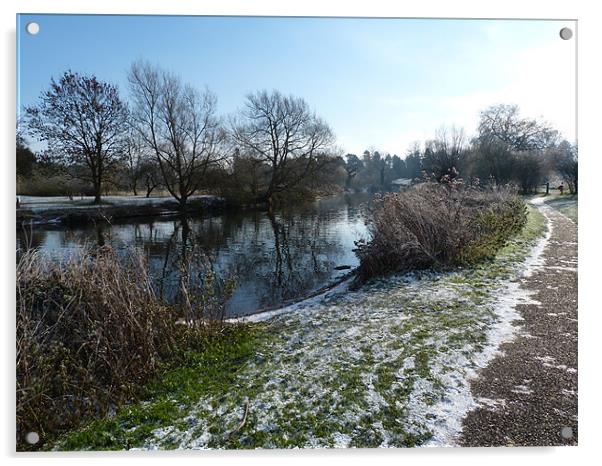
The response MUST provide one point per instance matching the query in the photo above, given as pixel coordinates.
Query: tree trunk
(98, 180)
(96, 193)
(96, 185)
(270, 202)
(182, 202)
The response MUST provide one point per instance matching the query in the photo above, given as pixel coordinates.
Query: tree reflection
(274, 257)
(188, 278)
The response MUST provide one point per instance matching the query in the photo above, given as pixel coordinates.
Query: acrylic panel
(295, 232)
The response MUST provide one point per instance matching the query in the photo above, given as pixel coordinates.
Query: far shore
(61, 210)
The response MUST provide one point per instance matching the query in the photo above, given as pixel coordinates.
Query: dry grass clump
(432, 224)
(90, 331)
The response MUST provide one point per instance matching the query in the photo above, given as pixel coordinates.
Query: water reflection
(273, 258)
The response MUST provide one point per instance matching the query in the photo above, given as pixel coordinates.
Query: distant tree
(528, 171)
(82, 120)
(26, 159)
(378, 166)
(504, 123)
(413, 162)
(399, 167)
(567, 164)
(247, 177)
(179, 125)
(329, 179)
(286, 136)
(135, 158)
(353, 165)
(511, 148)
(444, 155)
(150, 174)
(385, 170)
(374, 170)
(493, 160)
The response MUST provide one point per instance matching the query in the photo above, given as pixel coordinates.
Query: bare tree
(444, 154)
(493, 160)
(135, 157)
(503, 122)
(567, 164)
(247, 172)
(285, 135)
(529, 170)
(413, 160)
(82, 120)
(179, 125)
(151, 174)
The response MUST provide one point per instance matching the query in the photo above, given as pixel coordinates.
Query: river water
(272, 259)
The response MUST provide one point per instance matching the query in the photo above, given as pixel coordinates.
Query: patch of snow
(491, 404)
(408, 363)
(341, 440)
(535, 260)
(522, 390)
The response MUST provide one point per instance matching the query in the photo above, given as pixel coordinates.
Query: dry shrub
(433, 224)
(90, 331)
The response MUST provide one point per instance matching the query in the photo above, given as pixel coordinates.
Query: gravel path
(528, 394)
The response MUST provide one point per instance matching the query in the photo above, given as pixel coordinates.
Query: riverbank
(65, 211)
(387, 365)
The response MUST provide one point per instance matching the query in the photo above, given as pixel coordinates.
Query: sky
(381, 84)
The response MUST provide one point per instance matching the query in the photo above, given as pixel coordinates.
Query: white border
(589, 260)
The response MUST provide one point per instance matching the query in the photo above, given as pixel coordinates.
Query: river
(272, 259)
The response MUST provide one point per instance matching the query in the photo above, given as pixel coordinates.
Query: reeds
(90, 331)
(433, 224)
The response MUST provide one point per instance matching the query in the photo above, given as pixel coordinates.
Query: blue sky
(379, 83)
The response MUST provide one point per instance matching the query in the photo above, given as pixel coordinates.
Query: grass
(168, 397)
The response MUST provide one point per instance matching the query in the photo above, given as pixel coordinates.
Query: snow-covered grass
(41, 203)
(386, 366)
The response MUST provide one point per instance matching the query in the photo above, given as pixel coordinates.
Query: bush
(434, 224)
(42, 183)
(90, 332)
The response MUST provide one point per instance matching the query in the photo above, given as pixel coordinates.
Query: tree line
(508, 149)
(169, 136)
